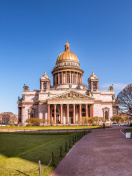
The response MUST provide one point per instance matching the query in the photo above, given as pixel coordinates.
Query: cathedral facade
(68, 99)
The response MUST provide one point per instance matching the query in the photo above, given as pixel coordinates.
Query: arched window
(45, 85)
(106, 115)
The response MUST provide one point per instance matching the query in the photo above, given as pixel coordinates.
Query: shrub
(94, 124)
(34, 121)
(28, 125)
(11, 124)
(130, 124)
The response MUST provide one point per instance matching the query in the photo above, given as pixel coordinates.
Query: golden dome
(45, 75)
(67, 54)
(93, 75)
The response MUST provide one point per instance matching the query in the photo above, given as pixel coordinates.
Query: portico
(68, 108)
(68, 113)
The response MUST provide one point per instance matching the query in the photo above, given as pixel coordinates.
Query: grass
(128, 130)
(20, 152)
(49, 127)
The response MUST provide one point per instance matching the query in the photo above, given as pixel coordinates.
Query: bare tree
(125, 100)
(8, 117)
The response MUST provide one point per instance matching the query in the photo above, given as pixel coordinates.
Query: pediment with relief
(72, 95)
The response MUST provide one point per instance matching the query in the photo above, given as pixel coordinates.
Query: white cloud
(117, 86)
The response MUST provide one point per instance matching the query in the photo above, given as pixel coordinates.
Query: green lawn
(21, 152)
(50, 127)
(128, 130)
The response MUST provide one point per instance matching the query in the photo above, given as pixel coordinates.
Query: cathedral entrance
(71, 117)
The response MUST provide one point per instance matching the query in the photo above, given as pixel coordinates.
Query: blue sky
(33, 34)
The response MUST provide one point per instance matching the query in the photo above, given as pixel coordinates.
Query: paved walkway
(100, 153)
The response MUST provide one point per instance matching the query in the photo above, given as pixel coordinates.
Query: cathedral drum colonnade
(68, 99)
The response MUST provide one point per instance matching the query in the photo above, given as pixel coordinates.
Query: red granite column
(48, 113)
(61, 113)
(70, 77)
(66, 78)
(67, 119)
(77, 77)
(74, 77)
(74, 121)
(86, 110)
(91, 111)
(55, 113)
(80, 111)
(53, 80)
(62, 78)
(58, 78)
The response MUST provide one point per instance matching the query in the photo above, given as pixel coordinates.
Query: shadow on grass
(33, 147)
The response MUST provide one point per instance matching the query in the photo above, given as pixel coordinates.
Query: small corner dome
(67, 55)
(45, 75)
(93, 76)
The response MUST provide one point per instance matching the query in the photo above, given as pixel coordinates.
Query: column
(74, 77)
(62, 78)
(91, 85)
(61, 113)
(53, 80)
(77, 77)
(86, 110)
(97, 85)
(80, 111)
(58, 78)
(48, 113)
(91, 110)
(67, 119)
(55, 113)
(82, 80)
(70, 77)
(19, 114)
(66, 77)
(108, 114)
(74, 121)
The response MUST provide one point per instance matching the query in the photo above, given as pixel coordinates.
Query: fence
(65, 148)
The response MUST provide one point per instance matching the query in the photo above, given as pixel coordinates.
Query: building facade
(68, 99)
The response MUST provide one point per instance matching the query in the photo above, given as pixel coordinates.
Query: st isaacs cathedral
(68, 99)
